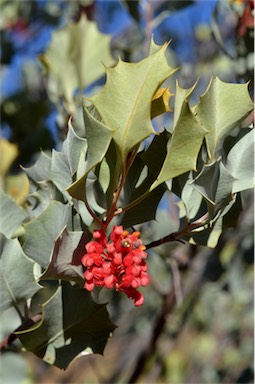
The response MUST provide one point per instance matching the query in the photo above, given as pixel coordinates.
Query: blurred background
(207, 337)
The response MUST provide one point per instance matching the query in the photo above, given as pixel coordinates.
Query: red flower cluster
(118, 263)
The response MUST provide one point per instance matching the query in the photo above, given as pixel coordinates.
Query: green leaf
(181, 96)
(41, 169)
(155, 154)
(11, 215)
(240, 163)
(224, 188)
(124, 103)
(16, 275)
(64, 163)
(72, 324)
(74, 59)
(145, 210)
(135, 174)
(215, 184)
(99, 137)
(221, 108)
(149, 163)
(191, 199)
(210, 236)
(184, 145)
(41, 233)
(65, 263)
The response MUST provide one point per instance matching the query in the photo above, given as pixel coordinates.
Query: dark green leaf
(145, 210)
(72, 323)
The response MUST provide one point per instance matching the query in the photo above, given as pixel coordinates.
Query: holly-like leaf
(182, 95)
(99, 137)
(222, 107)
(74, 59)
(191, 200)
(145, 210)
(42, 232)
(209, 236)
(65, 263)
(240, 163)
(64, 163)
(17, 279)
(184, 145)
(124, 103)
(215, 183)
(40, 170)
(11, 215)
(72, 324)
(153, 158)
(155, 154)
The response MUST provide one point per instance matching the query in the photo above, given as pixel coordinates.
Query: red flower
(118, 263)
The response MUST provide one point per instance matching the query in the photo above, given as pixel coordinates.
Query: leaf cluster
(117, 173)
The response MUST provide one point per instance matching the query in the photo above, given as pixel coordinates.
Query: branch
(168, 305)
(175, 236)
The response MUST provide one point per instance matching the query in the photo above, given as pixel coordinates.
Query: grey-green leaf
(40, 170)
(41, 233)
(17, 279)
(11, 215)
(99, 137)
(222, 107)
(240, 163)
(64, 163)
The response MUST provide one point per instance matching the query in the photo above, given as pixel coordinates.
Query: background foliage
(206, 337)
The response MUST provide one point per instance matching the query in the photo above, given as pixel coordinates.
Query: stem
(168, 305)
(112, 210)
(176, 235)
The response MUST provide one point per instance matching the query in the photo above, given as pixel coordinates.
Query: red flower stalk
(118, 263)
